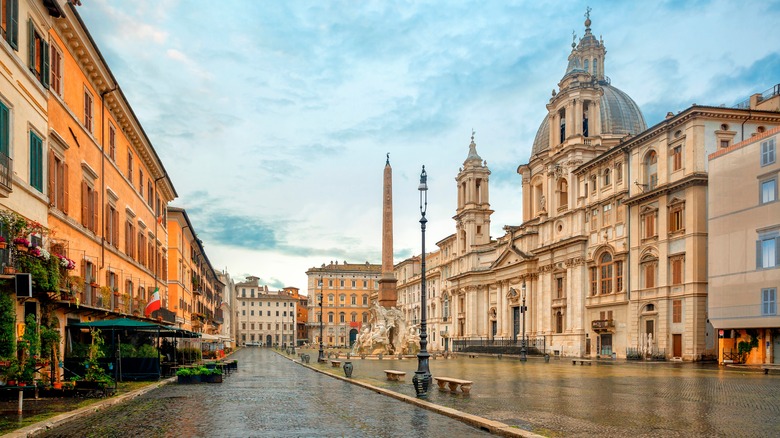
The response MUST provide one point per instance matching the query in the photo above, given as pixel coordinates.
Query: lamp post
(523, 309)
(422, 377)
(321, 357)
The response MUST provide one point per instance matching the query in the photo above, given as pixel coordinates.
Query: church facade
(611, 253)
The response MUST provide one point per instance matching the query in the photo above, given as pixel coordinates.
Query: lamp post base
(421, 382)
(321, 357)
(523, 355)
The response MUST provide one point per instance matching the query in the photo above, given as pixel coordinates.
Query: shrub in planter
(188, 375)
(213, 375)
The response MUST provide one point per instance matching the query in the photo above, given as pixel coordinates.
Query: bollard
(546, 358)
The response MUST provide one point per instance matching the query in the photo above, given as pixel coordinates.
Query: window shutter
(758, 254)
(45, 72)
(84, 203)
(108, 224)
(50, 189)
(31, 44)
(5, 119)
(95, 208)
(65, 192)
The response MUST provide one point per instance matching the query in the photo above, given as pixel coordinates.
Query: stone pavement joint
(58, 420)
(494, 427)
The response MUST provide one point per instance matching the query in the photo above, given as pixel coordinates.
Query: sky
(273, 118)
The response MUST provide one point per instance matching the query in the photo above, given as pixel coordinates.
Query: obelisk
(388, 296)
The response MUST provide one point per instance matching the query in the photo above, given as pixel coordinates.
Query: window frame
(55, 69)
(676, 311)
(768, 152)
(773, 237)
(89, 111)
(36, 161)
(38, 53)
(769, 301)
(774, 193)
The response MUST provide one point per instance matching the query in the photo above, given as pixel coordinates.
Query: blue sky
(273, 117)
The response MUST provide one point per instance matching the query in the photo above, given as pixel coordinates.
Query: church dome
(620, 115)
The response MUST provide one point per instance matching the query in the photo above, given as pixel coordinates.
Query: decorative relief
(575, 261)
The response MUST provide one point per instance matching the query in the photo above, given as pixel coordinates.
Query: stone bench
(474, 356)
(770, 366)
(581, 361)
(465, 385)
(395, 375)
(335, 363)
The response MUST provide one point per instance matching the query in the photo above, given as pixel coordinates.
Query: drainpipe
(103, 174)
(156, 222)
(750, 114)
(627, 160)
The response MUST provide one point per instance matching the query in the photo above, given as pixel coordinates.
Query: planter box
(188, 379)
(214, 378)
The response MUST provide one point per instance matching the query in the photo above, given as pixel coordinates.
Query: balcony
(603, 325)
(197, 292)
(6, 172)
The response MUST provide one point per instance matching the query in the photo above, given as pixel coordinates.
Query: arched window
(586, 65)
(563, 193)
(605, 266)
(595, 67)
(562, 117)
(330, 317)
(445, 308)
(342, 317)
(607, 177)
(585, 107)
(651, 170)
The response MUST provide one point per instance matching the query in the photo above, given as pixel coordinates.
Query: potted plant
(105, 295)
(188, 375)
(12, 372)
(116, 291)
(93, 282)
(95, 376)
(22, 244)
(3, 243)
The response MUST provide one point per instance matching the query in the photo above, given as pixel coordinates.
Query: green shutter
(36, 161)
(4, 128)
(12, 28)
(45, 73)
(31, 44)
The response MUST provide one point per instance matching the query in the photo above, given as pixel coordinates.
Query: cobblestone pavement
(606, 399)
(269, 396)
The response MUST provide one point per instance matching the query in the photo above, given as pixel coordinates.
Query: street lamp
(321, 357)
(523, 309)
(422, 377)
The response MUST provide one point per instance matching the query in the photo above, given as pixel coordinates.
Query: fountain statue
(387, 333)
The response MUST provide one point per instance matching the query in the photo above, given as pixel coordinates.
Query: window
(111, 142)
(341, 284)
(607, 214)
(676, 158)
(594, 221)
(38, 54)
(58, 182)
(5, 129)
(618, 276)
(56, 70)
(36, 161)
(89, 206)
(648, 224)
(605, 265)
(619, 172)
(648, 269)
(594, 281)
(141, 182)
(9, 22)
(112, 225)
(651, 170)
(724, 143)
(354, 284)
(677, 311)
(365, 300)
(330, 317)
(769, 190)
(563, 194)
(768, 153)
(607, 179)
(353, 300)
(677, 217)
(559, 292)
(769, 301)
(767, 250)
(676, 268)
(130, 166)
(88, 110)
(342, 317)
(149, 193)
(129, 239)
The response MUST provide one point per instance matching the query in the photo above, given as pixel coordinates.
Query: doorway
(268, 341)
(677, 345)
(352, 336)
(515, 322)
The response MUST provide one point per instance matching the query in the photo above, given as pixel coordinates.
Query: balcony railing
(603, 325)
(6, 170)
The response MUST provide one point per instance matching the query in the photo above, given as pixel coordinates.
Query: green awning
(139, 326)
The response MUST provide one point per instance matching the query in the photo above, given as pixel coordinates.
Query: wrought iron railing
(6, 171)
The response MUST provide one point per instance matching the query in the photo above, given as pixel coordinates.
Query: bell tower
(473, 213)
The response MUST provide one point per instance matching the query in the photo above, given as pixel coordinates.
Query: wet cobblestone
(606, 399)
(269, 396)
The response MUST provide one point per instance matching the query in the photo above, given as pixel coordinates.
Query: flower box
(3, 244)
(8, 270)
(189, 379)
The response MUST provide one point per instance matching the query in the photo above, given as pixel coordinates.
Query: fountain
(387, 333)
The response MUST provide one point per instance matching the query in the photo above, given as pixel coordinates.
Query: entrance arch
(268, 341)
(352, 336)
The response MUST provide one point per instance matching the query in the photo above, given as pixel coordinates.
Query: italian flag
(154, 302)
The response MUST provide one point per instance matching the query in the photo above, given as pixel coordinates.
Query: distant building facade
(347, 289)
(744, 244)
(264, 317)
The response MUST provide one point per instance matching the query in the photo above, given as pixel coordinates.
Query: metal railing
(771, 92)
(6, 170)
(534, 344)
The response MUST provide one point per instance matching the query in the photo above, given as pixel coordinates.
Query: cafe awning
(139, 326)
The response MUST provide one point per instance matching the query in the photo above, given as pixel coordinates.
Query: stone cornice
(695, 179)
